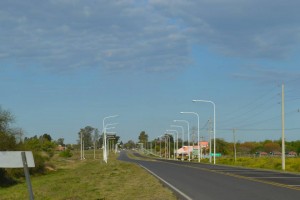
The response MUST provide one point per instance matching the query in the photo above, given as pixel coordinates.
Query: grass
(91, 179)
(272, 163)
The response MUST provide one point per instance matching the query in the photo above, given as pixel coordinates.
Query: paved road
(215, 182)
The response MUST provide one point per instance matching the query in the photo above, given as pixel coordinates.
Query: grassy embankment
(91, 179)
(272, 163)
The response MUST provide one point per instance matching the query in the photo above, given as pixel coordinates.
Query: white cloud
(253, 29)
(113, 35)
(153, 35)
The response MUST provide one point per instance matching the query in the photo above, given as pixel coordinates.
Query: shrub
(66, 154)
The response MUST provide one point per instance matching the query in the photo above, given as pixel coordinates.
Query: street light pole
(160, 147)
(188, 127)
(81, 147)
(283, 128)
(182, 137)
(182, 133)
(174, 141)
(198, 131)
(214, 105)
(167, 145)
(104, 136)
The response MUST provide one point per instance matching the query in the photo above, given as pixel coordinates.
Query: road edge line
(168, 184)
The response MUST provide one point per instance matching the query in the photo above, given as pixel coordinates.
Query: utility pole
(201, 151)
(81, 147)
(165, 147)
(94, 148)
(282, 122)
(234, 144)
(209, 133)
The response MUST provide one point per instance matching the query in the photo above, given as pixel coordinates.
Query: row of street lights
(214, 106)
(199, 146)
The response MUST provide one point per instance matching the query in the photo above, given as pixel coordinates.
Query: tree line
(222, 146)
(92, 139)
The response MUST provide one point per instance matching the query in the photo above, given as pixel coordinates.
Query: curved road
(214, 182)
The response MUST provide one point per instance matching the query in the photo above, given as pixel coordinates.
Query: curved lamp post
(188, 127)
(182, 129)
(198, 131)
(214, 105)
(174, 140)
(104, 136)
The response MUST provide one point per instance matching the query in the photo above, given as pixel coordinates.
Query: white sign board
(13, 159)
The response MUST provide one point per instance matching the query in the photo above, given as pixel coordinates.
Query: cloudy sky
(66, 64)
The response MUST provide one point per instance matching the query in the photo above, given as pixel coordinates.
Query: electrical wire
(250, 107)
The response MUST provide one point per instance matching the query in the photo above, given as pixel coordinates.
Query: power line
(250, 107)
(268, 119)
(258, 129)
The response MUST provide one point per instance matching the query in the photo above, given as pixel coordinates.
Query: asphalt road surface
(216, 182)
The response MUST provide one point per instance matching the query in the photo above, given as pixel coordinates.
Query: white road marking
(169, 184)
(272, 177)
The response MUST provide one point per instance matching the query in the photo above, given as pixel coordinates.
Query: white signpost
(18, 159)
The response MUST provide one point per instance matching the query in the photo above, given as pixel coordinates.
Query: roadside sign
(217, 154)
(13, 159)
(19, 159)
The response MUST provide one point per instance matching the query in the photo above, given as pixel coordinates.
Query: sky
(67, 64)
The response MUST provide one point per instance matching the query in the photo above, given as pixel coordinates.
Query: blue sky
(67, 64)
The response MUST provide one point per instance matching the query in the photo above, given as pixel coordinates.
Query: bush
(5, 180)
(66, 154)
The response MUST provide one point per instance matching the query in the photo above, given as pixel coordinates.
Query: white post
(198, 131)
(234, 144)
(104, 137)
(174, 141)
(160, 147)
(94, 149)
(209, 133)
(282, 134)
(188, 127)
(214, 105)
(182, 138)
(81, 147)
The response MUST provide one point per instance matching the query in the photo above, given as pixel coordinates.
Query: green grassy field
(272, 163)
(91, 179)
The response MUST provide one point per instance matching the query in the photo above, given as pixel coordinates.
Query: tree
(222, 146)
(143, 138)
(5, 119)
(129, 145)
(113, 139)
(7, 142)
(293, 146)
(7, 138)
(250, 147)
(86, 136)
(46, 137)
(96, 137)
(60, 141)
(271, 147)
